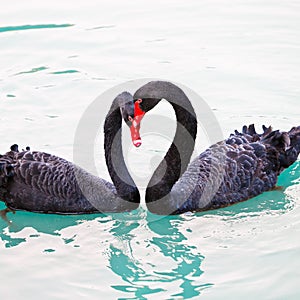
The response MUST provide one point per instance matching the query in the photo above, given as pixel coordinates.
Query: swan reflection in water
(162, 257)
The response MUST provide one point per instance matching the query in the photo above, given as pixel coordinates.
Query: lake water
(241, 57)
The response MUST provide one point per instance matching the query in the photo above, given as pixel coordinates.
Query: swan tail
(293, 150)
(294, 135)
(287, 144)
(249, 132)
(283, 148)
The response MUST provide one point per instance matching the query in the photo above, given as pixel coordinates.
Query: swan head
(132, 114)
(141, 106)
(136, 123)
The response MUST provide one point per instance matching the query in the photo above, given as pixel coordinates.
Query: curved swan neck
(178, 156)
(118, 171)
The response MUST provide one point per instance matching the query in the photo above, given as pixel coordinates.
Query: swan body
(241, 167)
(41, 182)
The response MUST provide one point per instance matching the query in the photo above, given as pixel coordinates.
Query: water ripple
(64, 72)
(33, 70)
(101, 27)
(37, 26)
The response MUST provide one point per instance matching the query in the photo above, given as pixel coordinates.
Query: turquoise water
(242, 57)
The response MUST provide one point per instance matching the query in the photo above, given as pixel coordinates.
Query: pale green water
(242, 57)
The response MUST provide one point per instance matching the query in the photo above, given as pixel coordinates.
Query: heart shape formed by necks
(136, 122)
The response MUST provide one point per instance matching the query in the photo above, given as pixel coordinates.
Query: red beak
(136, 123)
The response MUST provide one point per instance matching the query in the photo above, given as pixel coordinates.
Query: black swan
(41, 182)
(241, 167)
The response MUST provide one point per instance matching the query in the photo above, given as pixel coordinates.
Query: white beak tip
(137, 143)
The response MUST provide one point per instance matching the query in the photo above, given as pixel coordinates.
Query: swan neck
(178, 156)
(117, 168)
